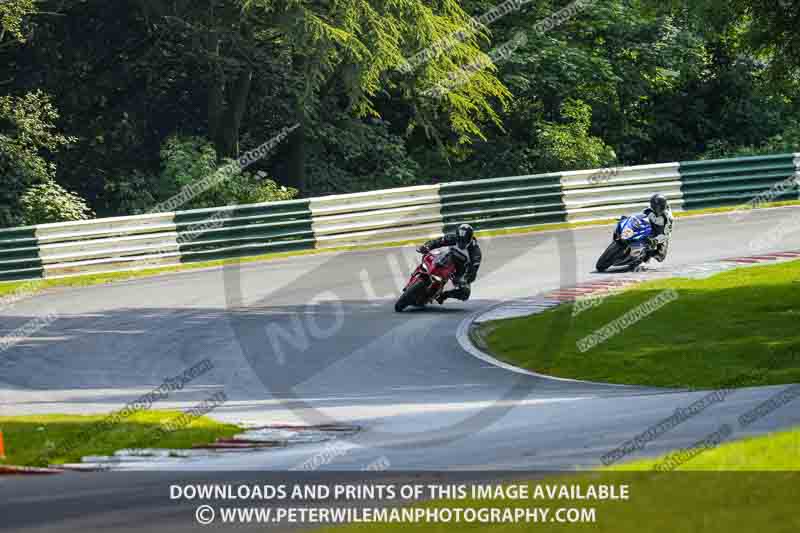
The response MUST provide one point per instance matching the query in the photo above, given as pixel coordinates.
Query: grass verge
(30, 287)
(778, 451)
(40, 440)
(713, 497)
(736, 327)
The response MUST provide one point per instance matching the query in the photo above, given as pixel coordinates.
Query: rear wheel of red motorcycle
(410, 296)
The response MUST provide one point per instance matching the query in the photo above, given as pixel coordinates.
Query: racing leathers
(662, 231)
(467, 261)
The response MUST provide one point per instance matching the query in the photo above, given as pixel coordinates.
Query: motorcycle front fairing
(634, 232)
(438, 267)
(442, 266)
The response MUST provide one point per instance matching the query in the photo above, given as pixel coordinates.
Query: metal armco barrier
(503, 202)
(217, 233)
(608, 193)
(392, 215)
(733, 181)
(379, 216)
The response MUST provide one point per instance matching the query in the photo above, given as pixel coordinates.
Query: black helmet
(464, 235)
(659, 204)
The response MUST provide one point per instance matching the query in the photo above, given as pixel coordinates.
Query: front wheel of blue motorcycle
(613, 254)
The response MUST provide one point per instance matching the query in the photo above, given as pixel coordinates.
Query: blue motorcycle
(631, 243)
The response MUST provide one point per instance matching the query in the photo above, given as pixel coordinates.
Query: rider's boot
(641, 265)
(461, 292)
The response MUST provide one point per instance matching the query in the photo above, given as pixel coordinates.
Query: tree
(12, 14)
(766, 27)
(355, 48)
(351, 155)
(662, 81)
(618, 57)
(27, 128)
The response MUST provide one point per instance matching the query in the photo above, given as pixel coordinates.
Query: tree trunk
(623, 123)
(228, 136)
(296, 167)
(227, 101)
(216, 89)
(296, 171)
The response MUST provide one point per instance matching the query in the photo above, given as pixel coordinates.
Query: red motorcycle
(428, 280)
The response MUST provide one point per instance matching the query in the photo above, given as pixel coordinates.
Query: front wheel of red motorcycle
(410, 296)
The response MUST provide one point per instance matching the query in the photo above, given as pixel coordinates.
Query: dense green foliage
(125, 102)
(27, 130)
(189, 159)
(50, 202)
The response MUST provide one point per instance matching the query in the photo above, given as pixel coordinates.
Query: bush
(187, 159)
(27, 132)
(50, 202)
(569, 145)
(132, 194)
(249, 189)
(351, 155)
(785, 142)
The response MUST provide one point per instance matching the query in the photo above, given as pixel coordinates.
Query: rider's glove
(653, 242)
(423, 249)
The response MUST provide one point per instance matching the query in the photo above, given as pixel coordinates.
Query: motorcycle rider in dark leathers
(466, 255)
(660, 216)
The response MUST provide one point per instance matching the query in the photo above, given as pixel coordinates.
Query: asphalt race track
(315, 339)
